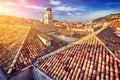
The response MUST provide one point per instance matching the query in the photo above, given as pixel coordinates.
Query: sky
(70, 10)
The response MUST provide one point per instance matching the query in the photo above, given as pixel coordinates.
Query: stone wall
(38, 75)
(23, 75)
(2, 76)
(30, 73)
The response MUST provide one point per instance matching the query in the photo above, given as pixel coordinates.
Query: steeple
(48, 18)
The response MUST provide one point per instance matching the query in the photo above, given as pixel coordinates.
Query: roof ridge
(108, 49)
(18, 53)
(66, 46)
(90, 35)
(100, 30)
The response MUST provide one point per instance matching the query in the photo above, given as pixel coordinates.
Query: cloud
(8, 11)
(95, 14)
(85, 16)
(35, 7)
(100, 13)
(69, 8)
(78, 13)
(10, 3)
(65, 8)
(69, 13)
(22, 1)
(53, 2)
(74, 13)
(4, 10)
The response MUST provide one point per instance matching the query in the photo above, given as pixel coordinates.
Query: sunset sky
(70, 10)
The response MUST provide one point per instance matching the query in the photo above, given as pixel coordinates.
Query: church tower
(48, 18)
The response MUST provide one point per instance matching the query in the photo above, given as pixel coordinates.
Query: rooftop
(11, 40)
(48, 9)
(111, 40)
(90, 58)
(86, 60)
(19, 46)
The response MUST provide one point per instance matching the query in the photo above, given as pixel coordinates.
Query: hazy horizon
(74, 10)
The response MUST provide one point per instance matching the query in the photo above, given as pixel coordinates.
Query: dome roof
(49, 9)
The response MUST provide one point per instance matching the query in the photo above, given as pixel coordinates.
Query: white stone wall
(45, 42)
(48, 18)
(38, 75)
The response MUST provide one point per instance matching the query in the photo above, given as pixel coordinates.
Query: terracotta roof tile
(84, 61)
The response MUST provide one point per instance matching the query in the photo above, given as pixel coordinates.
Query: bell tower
(48, 18)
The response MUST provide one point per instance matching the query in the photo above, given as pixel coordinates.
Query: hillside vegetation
(107, 18)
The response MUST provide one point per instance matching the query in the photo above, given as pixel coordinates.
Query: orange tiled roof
(110, 40)
(30, 47)
(115, 24)
(89, 60)
(11, 40)
(34, 48)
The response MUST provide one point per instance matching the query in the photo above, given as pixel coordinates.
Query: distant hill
(107, 18)
(36, 24)
(6, 19)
